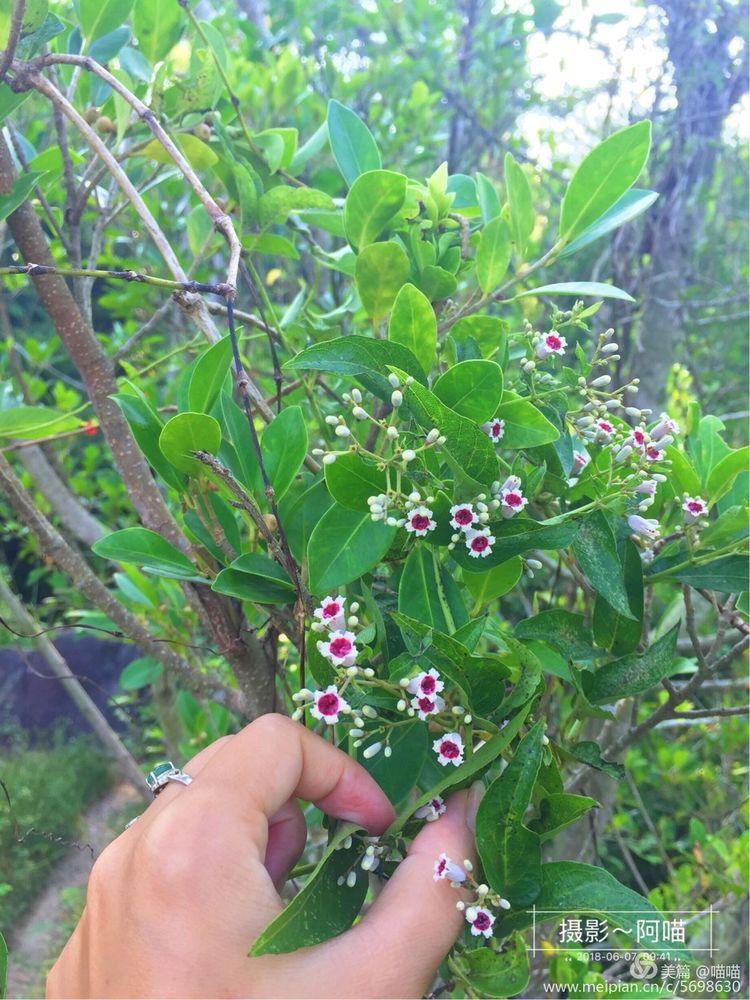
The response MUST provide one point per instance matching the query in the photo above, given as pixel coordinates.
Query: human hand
(175, 902)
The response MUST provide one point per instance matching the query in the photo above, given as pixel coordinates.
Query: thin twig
(14, 36)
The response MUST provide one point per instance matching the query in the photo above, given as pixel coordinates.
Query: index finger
(274, 759)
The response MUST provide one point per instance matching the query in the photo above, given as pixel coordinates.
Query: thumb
(414, 920)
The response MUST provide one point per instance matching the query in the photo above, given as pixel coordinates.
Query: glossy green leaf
(255, 577)
(283, 447)
(726, 575)
(632, 674)
(198, 153)
(497, 974)
(510, 853)
(146, 426)
(472, 388)
(9, 100)
(28, 423)
(300, 509)
(148, 550)
(609, 170)
(589, 752)
(323, 908)
(343, 545)
(629, 206)
(516, 536)
(579, 289)
(373, 200)
(489, 200)
(140, 673)
(529, 675)
(565, 631)
(22, 188)
(612, 631)
(413, 323)
(353, 147)
(398, 774)
(188, 432)
(493, 254)
(595, 549)
(277, 204)
(493, 583)
(99, 17)
(380, 272)
(209, 375)
(525, 425)
(428, 592)
(520, 205)
(724, 473)
(158, 27)
(558, 811)
(351, 480)
(245, 468)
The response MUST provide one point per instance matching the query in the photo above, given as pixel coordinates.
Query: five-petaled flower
(512, 502)
(580, 460)
(646, 527)
(479, 543)
(332, 613)
(665, 426)
(431, 810)
(551, 343)
(480, 919)
(463, 516)
(449, 749)
(328, 704)
(419, 521)
(494, 429)
(446, 869)
(694, 507)
(653, 454)
(638, 438)
(340, 649)
(425, 705)
(427, 683)
(605, 428)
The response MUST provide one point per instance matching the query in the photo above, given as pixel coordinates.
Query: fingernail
(472, 805)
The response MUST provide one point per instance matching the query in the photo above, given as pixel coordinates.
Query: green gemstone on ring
(162, 768)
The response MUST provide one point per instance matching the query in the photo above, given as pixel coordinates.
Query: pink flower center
(449, 749)
(482, 922)
(328, 704)
(639, 437)
(436, 803)
(341, 647)
(496, 429)
(331, 610)
(420, 522)
(653, 453)
(464, 516)
(479, 544)
(605, 426)
(695, 507)
(428, 684)
(440, 866)
(426, 705)
(513, 500)
(554, 343)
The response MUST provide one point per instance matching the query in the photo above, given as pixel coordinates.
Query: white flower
(449, 749)
(341, 649)
(331, 613)
(551, 343)
(424, 705)
(431, 810)
(638, 438)
(580, 460)
(665, 426)
(426, 683)
(494, 429)
(463, 516)
(328, 705)
(479, 543)
(604, 429)
(647, 486)
(511, 483)
(481, 920)
(694, 508)
(446, 869)
(512, 502)
(419, 521)
(654, 453)
(647, 527)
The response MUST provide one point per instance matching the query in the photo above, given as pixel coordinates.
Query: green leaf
(472, 388)
(461, 775)
(589, 752)
(246, 469)
(353, 147)
(148, 550)
(99, 17)
(380, 271)
(351, 480)
(158, 27)
(277, 204)
(209, 375)
(728, 575)
(140, 673)
(188, 432)
(516, 536)
(199, 153)
(603, 177)
(283, 447)
(530, 674)
(489, 201)
(633, 674)
(611, 630)
(373, 200)
(28, 423)
(22, 188)
(572, 887)
(595, 549)
(559, 810)
(343, 545)
(510, 853)
(520, 205)
(467, 448)
(563, 630)
(581, 289)
(724, 473)
(428, 593)
(488, 586)
(497, 974)
(398, 774)
(146, 426)
(629, 206)
(413, 324)
(9, 101)
(682, 474)
(525, 425)
(300, 509)
(323, 908)
(493, 254)
(255, 577)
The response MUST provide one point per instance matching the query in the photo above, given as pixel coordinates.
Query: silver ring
(163, 773)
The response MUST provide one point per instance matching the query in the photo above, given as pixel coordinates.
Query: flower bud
(333, 421)
(392, 432)
(329, 459)
(394, 380)
(600, 381)
(342, 431)
(397, 398)
(408, 455)
(370, 751)
(369, 711)
(359, 413)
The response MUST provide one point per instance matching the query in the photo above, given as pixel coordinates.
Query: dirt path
(39, 936)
